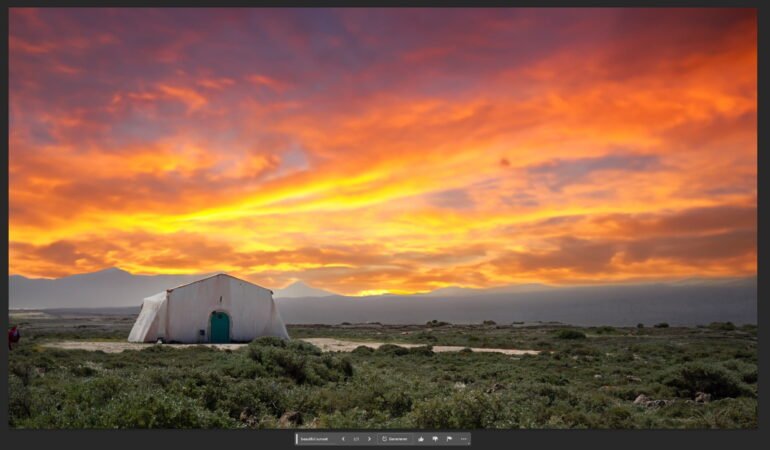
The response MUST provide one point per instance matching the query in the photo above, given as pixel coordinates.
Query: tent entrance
(220, 327)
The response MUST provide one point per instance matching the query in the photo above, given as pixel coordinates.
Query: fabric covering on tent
(240, 311)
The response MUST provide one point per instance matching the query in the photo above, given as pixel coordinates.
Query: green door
(220, 327)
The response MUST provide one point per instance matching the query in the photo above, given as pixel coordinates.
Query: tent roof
(219, 275)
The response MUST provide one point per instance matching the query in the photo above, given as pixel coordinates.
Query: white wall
(251, 309)
(151, 322)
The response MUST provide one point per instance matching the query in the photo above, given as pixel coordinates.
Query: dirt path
(337, 345)
(325, 344)
(117, 347)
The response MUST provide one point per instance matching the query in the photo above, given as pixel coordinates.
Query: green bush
(242, 368)
(350, 418)
(661, 325)
(23, 370)
(363, 350)
(392, 349)
(374, 392)
(161, 409)
(690, 378)
(744, 370)
(256, 398)
(617, 417)
(269, 341)
(19, 402)
(83, 371)
(97, 391)
(723, 326)
(466, 409)
(570, 334)
(425, 336)
(423, 350)
(606, 330)
(299, 361)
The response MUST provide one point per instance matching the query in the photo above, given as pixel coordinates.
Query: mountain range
(300, 289)
(113, 287)
(686, 302)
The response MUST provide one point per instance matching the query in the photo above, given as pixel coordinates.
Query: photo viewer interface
(316, 438)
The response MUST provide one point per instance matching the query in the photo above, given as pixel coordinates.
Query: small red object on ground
(13, 337)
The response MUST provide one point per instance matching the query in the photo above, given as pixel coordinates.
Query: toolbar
(429, 439)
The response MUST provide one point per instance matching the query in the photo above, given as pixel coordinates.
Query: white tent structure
(220, 308)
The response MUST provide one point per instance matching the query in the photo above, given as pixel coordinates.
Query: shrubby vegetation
(725, 326)
(601, 377)
(716, 380)
(297, 360)
(570, 334)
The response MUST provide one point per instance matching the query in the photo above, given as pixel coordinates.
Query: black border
(502, 439)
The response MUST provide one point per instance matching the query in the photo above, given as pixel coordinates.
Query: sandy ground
(19, 315)
(117, 347)
(325, 344)
(336, 345)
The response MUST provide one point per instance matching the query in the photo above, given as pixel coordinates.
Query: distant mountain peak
(112, 270)
(105, 288)
(301, 289)
(109, 273)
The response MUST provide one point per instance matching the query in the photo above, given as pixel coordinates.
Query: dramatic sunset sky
(396, 150)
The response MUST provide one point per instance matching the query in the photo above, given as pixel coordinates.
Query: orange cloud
(191, 98)
(216, 83)
(272, 83)
(603, 150)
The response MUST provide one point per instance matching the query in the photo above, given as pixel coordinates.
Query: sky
(384, 150)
